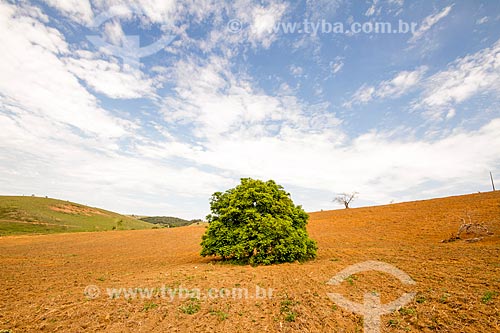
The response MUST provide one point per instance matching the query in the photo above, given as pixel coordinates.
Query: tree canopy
(257, 223)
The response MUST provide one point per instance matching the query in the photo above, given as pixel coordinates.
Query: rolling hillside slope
(457, 284)
(169, 221)
(35, 215)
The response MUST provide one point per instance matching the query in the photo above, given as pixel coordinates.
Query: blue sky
(213, 91)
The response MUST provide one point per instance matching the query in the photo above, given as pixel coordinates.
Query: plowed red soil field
(63, 282)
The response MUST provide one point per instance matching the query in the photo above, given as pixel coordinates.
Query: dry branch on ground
(469, 231)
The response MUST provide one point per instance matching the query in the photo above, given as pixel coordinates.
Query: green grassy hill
(34, 215)
(168, 221)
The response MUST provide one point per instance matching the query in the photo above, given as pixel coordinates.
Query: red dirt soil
(43, 278)
(77, 210)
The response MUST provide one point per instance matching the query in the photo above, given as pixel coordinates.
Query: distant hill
(35, 215)
(169, 221)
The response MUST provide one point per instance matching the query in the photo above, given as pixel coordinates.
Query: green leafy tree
(257, 223)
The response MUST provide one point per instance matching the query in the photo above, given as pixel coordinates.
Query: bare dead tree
(492, 182)
(345, 198)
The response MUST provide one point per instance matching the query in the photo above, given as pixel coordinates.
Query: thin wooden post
(492, 183)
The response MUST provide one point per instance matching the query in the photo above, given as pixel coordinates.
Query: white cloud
(396, 2)
(25, 9)
(371, 10)
(154, 11)
(337, 65)
(114, 32)
(158, 11)
(463, 79)
(110, 79)
(482, 20)
(363, 95)
(429, 22)
(395, 7)
(451, 113)
(399, 85)
(219, 103)
(380, 165)
(296, 70)
(77, 10)
(258, 25)
(45, 158)
(42, 84)
(317, 10)
(56, 140)
(263, 21)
